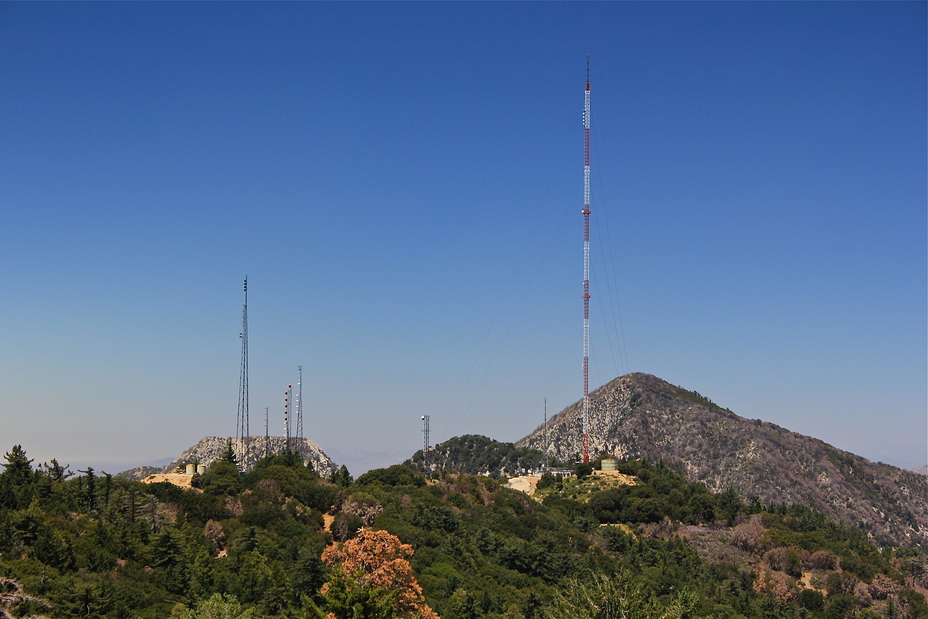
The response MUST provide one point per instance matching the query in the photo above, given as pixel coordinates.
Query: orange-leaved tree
(372, 577)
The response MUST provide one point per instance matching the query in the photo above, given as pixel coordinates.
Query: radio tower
(586, 266)
(299, 405)
(287, 399)
(241, 423)
(425, 448)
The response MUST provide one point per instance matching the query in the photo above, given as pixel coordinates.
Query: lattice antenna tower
(288, 398)
(545, 426)
(425, 436)
(241, 423)
(267, 435)
(299, 405)
(586, 266)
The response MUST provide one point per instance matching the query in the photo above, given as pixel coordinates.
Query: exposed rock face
(640, 415)
(211, 448)
(140, 472)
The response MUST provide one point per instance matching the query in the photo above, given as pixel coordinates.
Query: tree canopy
(281, 542)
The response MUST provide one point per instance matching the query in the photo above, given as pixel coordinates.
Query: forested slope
(282, 542)
(478, 455)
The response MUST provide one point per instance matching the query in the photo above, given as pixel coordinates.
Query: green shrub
(396, 475)
(811, 599)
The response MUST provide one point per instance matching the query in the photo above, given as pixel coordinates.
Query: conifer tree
(619, 597)
(17, 482)
(18, 467)
(218, 606)
(228, 455)
(89, 495)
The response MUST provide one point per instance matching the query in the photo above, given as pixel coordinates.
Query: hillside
(210, 449)
(642, 416)
(478, 455)
(282, 543)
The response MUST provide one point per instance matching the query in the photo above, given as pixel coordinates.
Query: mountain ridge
(642, 416)
(211, 448)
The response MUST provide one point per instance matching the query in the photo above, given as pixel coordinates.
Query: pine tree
(17, 482)
(341, 477)
(218, 606)
(18, 467)
(619, 597)
(89, 494)
(228, 455)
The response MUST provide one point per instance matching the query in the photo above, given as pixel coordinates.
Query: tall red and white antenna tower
(586, 266)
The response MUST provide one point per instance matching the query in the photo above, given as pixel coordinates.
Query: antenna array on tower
(288, 397)
(241, 422)
(586, 266)
(425, 447)
(299, 405)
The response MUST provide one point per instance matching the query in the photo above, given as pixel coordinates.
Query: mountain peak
(642, 416)
(211, 448)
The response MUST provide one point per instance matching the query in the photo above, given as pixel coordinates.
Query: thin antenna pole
(299, 405)
(586, 266)
(267, 436)
(241, 424)
(425, 448)
(288, 396)
(546, 433)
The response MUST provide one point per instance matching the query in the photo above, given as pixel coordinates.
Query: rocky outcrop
(139, 472)
(211, 448)
(642, 416)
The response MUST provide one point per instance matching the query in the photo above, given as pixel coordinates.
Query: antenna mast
(546, 433)
(299, 404)
(586, 266)
(288, 396)
(241, 423)
(425, 448)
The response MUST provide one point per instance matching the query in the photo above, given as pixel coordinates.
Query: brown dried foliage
(777, 585)
(234, 506)
(213, 532)
(747, 536)
(823, 560)
(377, 559)
(785, 559)
(863, 594)
(883, 586)
(363, 505)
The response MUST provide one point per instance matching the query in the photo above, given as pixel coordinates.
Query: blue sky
(402, 185)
